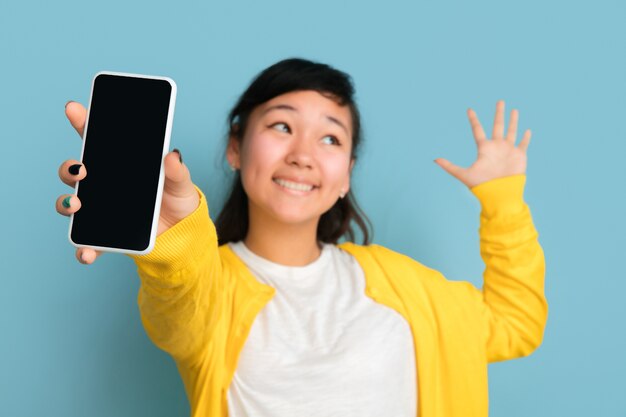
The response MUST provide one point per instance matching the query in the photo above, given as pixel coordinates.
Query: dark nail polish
(180, 156)
(66, 201)
(74, 169)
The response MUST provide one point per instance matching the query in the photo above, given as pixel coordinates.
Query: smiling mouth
(296, 186)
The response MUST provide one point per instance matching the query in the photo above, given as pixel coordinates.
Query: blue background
(71, 341)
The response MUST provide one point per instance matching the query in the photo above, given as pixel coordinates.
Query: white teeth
(293, 185)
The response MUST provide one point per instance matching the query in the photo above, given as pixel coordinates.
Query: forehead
(309, 104)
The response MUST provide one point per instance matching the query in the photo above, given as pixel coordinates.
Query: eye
(330, 140)
(285, 126)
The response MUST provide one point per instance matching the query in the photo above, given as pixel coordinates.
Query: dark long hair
(289, 75)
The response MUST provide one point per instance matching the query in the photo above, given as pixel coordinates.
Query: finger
(477, 129)
(177, 177)
(67, 204)
(87, 256)
(71, 171)
(498, 123)
(77, 115)
(454, 170)
(523, 145)
(512, 132)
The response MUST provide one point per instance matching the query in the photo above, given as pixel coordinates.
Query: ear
(232, 153)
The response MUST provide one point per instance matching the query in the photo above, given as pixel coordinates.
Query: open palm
(497, 157)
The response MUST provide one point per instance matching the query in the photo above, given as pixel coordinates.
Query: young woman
(267, 314)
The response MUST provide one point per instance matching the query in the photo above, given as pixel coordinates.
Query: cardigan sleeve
(181, 285)
(513, 305)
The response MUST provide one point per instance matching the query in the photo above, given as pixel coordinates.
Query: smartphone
(125, 140)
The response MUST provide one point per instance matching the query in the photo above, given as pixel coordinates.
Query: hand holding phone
(179, 197)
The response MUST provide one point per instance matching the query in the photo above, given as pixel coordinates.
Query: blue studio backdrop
(71, 339)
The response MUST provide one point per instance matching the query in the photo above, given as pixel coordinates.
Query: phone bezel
(166, 146)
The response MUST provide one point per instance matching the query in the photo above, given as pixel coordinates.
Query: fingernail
(66, 201)
(180, 156)
(71, 101)
(74, 169)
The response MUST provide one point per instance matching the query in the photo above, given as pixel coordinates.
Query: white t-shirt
(321, 347)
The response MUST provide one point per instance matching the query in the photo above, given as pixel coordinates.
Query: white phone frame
(166, 146)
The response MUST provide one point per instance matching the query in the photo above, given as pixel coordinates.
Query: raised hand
(180, 197)
(497, 157)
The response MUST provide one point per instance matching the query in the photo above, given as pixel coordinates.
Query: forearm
(182, 272)
(515, 307)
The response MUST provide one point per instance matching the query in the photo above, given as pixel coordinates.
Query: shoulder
(228, 257)
(411, 278)
(377, 257)
(375, 251)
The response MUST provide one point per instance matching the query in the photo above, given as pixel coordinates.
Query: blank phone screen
(122, 154)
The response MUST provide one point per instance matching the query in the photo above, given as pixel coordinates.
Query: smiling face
(295, 157)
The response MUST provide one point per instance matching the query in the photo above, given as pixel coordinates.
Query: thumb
(177, 177)
(454, 170)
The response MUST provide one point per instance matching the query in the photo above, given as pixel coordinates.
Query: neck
(285, 244)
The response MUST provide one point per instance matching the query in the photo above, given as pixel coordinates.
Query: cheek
(259, 158)
(337, 170)
(259, 152)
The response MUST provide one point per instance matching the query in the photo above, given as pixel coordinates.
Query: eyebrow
(291, 108)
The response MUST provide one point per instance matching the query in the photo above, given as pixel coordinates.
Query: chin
(296, 215)
(292, 214)
(295, 218)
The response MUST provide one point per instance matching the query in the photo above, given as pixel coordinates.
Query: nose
(300, 153)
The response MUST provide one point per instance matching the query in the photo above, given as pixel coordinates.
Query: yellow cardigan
(198, 302)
